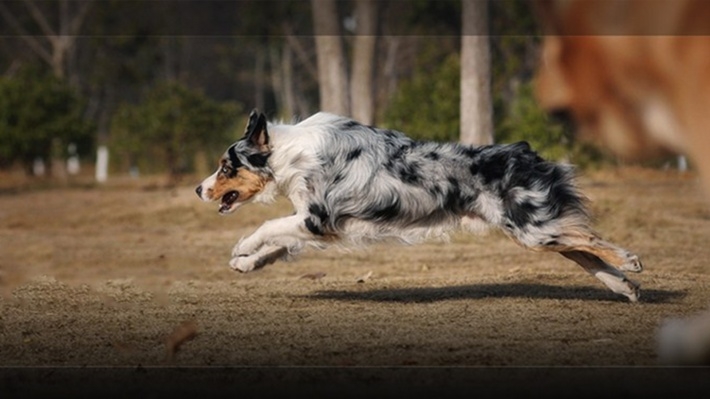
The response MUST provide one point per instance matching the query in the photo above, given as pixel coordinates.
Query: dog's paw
(266, 256)
(243, 264)
(246, 246)
(632, 264)
(634, 290)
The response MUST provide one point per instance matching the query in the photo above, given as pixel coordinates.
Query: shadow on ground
(483, 291)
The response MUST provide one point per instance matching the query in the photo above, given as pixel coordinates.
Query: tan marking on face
(246, 183)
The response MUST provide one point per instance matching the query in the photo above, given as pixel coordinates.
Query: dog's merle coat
(352, 184)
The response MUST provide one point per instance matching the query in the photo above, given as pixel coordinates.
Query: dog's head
(243, 170)
(618, 69)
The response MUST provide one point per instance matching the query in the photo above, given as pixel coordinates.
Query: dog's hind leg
(600, 258)
(590, 243)
(610, 276)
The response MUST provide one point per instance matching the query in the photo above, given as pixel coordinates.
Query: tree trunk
(363, 63)
(289, 97)
(61, 37)
(259, 66)
(476, 103)
(282, 80)
(332, 75)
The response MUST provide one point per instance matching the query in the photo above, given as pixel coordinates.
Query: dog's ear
(255, 131)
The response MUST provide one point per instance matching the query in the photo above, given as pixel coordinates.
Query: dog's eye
(226, 170)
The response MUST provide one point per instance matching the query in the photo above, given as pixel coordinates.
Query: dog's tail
(536, 194)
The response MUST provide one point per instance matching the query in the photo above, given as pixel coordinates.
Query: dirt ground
(101, 276)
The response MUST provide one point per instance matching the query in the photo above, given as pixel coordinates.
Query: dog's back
(383, 177)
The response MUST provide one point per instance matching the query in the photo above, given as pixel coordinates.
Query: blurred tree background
(166, 85)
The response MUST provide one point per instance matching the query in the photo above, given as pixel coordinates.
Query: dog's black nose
(198, 190)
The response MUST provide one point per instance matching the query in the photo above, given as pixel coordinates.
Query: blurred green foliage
(169, 127)
(38, 115)
(426, 106)
(524, 120)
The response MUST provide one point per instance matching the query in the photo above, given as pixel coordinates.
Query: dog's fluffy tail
(536, 195)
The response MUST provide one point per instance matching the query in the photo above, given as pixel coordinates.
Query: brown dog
(634, 76)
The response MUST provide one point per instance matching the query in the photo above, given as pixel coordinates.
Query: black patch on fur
(354, 154)
(258, 160)
(409, 173)
(473, 168)
(519, 214)
(467, 199)
(351, 124)
(434, 156)
(337, 178)
(395, 156)
(453, 195)
(319, 211)
(233, 159)
(468, 151)
(563, 198)
(312, 227)
(493, 168)
(399, 152)
(386, 213)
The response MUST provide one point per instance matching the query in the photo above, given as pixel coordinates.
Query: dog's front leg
(266, 255)
(285, 235)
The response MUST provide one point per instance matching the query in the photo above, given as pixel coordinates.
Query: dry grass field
(101, 276)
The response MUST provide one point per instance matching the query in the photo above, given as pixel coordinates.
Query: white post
(682, 163)
(102, 164)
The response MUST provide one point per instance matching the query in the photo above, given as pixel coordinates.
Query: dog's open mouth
(227, 201)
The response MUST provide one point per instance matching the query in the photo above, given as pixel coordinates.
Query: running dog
(352, 184)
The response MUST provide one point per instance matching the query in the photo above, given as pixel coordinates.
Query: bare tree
(476, 102)
(332, 74)
(259, 67)
(60, 39)
(361, 83)
(282, 78)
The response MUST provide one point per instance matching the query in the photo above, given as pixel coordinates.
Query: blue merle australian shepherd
(353, 184)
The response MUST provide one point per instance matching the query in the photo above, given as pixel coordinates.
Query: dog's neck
(292, 152)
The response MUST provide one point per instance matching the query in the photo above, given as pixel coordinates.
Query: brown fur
(635, 76)
(603, 61)
(246, 183)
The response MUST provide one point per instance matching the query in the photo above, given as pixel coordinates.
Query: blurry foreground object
(685, 341)
(634, 77)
